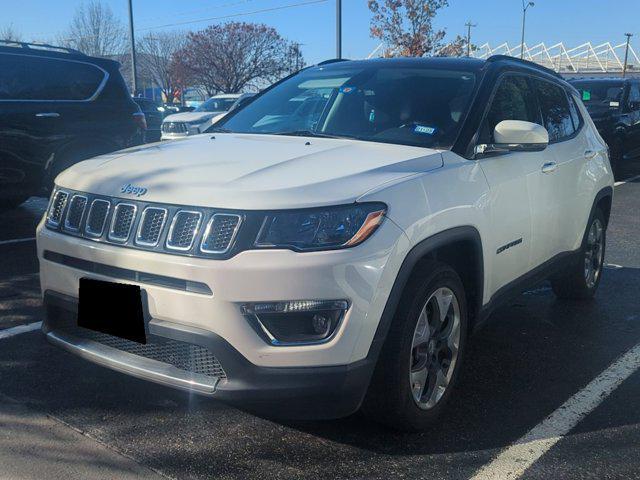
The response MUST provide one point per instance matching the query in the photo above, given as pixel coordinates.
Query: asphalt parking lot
(63, 417)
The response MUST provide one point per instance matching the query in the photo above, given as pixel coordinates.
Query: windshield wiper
(305, 133)
(219, 130)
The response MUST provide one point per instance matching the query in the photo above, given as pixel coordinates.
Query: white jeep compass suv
(331, 245)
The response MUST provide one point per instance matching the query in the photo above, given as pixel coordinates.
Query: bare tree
(406, 27)
(230, 57)
(9, 33)
(156, 60)
(95, 30)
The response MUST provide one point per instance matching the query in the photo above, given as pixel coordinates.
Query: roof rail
(333, 60)
(39, 46)
(497, 58)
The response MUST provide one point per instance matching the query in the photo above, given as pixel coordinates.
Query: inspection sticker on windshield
(586, 95)
(424, 129)
(347, 89)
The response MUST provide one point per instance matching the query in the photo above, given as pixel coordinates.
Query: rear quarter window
(554, 105)
(27, 78)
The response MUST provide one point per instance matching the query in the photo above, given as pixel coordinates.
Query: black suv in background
(614, 105)
(58, 107)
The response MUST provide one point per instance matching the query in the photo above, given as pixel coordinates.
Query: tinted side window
(12, 76)
(38, 78)
(513, 100)
(634, 95)
(555, 110)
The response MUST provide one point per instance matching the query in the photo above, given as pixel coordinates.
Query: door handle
(549, 167)
(48, 115)
(589, 154)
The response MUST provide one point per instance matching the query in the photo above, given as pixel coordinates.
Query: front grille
(174, 127)
(189, 231)
(220, 232)
(184, 229)
(151, 225)
(184, 356)
(123, 217)
(75, 212)
(57, 208)
(97, 218)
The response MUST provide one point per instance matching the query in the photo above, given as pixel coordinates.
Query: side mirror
(516, 136)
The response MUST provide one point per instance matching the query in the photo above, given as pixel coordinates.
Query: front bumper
(315, 392)
(331, 376)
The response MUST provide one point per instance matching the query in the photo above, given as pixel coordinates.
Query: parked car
(180, 125)
(334, 242)
(614, 106)
(153, 116)
(242, 100)
(57, 107)
(170, 108)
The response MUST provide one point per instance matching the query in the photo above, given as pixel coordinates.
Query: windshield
(410, 106)
(600, 94)
(216, 105)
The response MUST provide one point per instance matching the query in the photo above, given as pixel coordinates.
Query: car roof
(51, 51)
(602, 79)
(444, 63)
(227, 95)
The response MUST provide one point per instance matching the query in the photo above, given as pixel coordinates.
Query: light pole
(338, 28)
(524, 17)
(626, 54)
(469, 25)
(134, 73)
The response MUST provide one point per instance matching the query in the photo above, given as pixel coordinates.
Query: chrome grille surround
(174, 127)
(151, 225)
(124, 216)
(220, 233)
(184, 229)
(97, 217)
(75, 213)
(58, 204)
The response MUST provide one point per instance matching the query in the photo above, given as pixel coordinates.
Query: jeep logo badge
(129, 189)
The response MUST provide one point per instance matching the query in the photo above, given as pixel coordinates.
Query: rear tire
(581, 279)
(422, 355)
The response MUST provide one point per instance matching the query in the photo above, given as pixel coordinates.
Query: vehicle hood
(190, 116)
(252, 172)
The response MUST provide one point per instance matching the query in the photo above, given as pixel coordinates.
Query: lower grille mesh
(184, 356)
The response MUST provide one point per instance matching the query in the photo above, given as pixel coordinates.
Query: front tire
(421, 358)
(580, 281)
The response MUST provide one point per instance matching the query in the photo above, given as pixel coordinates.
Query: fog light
(296, 322)
(321, 324)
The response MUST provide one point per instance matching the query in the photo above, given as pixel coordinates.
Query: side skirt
(527, 281)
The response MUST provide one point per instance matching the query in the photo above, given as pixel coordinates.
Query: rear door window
(24, 77)
(554, 105)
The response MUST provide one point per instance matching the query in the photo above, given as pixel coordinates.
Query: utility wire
(222, 17)
(201, 10)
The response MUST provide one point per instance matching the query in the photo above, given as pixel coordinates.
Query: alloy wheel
(594, 253)
(434, 349)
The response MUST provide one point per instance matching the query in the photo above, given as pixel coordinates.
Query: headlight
(321, 228)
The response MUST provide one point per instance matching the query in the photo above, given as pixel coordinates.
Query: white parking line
(17, 240)
(13, 331)
(512, 462)
(622, 182)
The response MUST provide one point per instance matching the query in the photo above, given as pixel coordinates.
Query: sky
(313, 25)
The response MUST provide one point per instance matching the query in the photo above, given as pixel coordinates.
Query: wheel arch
(460, 247)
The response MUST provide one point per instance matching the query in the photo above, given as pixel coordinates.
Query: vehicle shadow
(531, 357)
